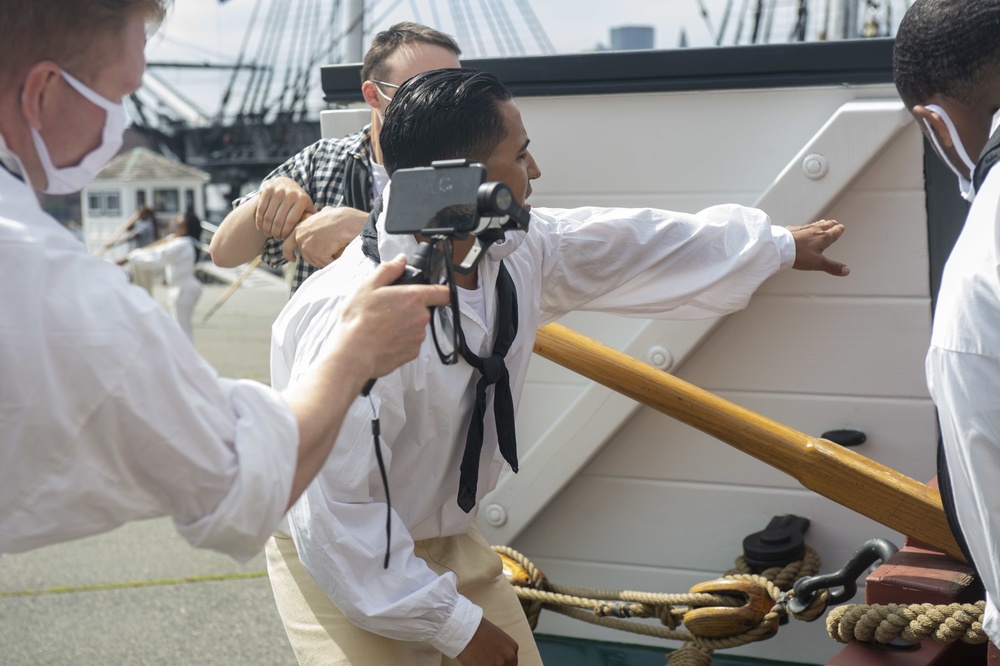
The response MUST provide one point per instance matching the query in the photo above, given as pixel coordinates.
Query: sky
(216, 32)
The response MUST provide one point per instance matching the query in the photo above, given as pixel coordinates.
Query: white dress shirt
(637, 262)
(175, 256)
(963, 374)
(107, 412)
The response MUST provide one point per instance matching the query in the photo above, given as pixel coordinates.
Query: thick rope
(612, 608)
(911, 623)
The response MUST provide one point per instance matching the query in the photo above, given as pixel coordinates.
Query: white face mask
(378, 88)
(964, 184)
(67, 180)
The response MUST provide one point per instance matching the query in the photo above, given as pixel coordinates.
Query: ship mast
(354, 50)
(844, 17)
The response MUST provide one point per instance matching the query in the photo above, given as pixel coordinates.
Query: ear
(37, 93)
(371, 95)
(936, 124)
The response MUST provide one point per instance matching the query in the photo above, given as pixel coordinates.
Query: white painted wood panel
(885, 244)
(835, 346)
(683, 525)
(899, 167)
(900, 434)
(700, 142)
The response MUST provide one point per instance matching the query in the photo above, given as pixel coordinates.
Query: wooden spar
(159, 241)
(116, 236)
(232, 288)
(848, 478)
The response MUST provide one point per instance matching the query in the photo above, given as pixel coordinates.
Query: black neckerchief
(357, 183)
(987, 160)
(492, 369)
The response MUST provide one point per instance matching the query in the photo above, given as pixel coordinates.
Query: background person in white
(107, 412)
(177, 257)
(946, 65)
(443, 596)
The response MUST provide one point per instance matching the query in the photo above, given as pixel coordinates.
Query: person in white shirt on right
(946, 65)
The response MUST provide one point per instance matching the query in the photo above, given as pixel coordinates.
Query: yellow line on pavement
(131, 584)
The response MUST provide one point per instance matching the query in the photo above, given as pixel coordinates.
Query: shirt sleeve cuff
(786, 245)
(265, 449)
(459, 629)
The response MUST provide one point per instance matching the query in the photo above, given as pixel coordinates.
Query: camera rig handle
(415, 272)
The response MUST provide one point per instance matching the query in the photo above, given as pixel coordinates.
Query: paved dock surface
(141, 594)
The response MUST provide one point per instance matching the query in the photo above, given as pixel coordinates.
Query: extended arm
(664, 264)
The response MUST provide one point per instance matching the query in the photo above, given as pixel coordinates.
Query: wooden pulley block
(726, 621)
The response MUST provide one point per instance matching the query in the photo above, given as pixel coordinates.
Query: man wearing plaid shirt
(309, 208)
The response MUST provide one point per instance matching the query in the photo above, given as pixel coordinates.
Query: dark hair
(192, 226)
(388, 41)
(949, 47)
(444, 114)
(68, 32)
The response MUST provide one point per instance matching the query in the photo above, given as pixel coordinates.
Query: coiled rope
(911, 623)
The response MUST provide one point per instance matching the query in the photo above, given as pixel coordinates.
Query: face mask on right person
(965, 187)
(66, 180)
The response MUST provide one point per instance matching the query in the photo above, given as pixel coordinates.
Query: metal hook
(805, 589)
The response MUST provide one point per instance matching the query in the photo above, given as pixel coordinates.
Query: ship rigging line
(387, 12)
(239, 62)
(500, 9)
(771, 10)
(416, 11)
(298, 46)
(704, 14)
(304, 73)
(725, 21)
(499, 40)
(460, 25)
(475, 27)
(756, 21)
(537, 31)
(277, 34)
(253, 82)
(434, 12)
(798, 33)
(739, 23)
(319, 52)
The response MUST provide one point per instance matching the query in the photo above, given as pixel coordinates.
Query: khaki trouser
(321, 635)
(144, 277)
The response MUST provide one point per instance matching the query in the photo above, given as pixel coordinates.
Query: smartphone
(435, 200)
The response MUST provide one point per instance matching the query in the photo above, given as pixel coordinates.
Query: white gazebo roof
(142, 164)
